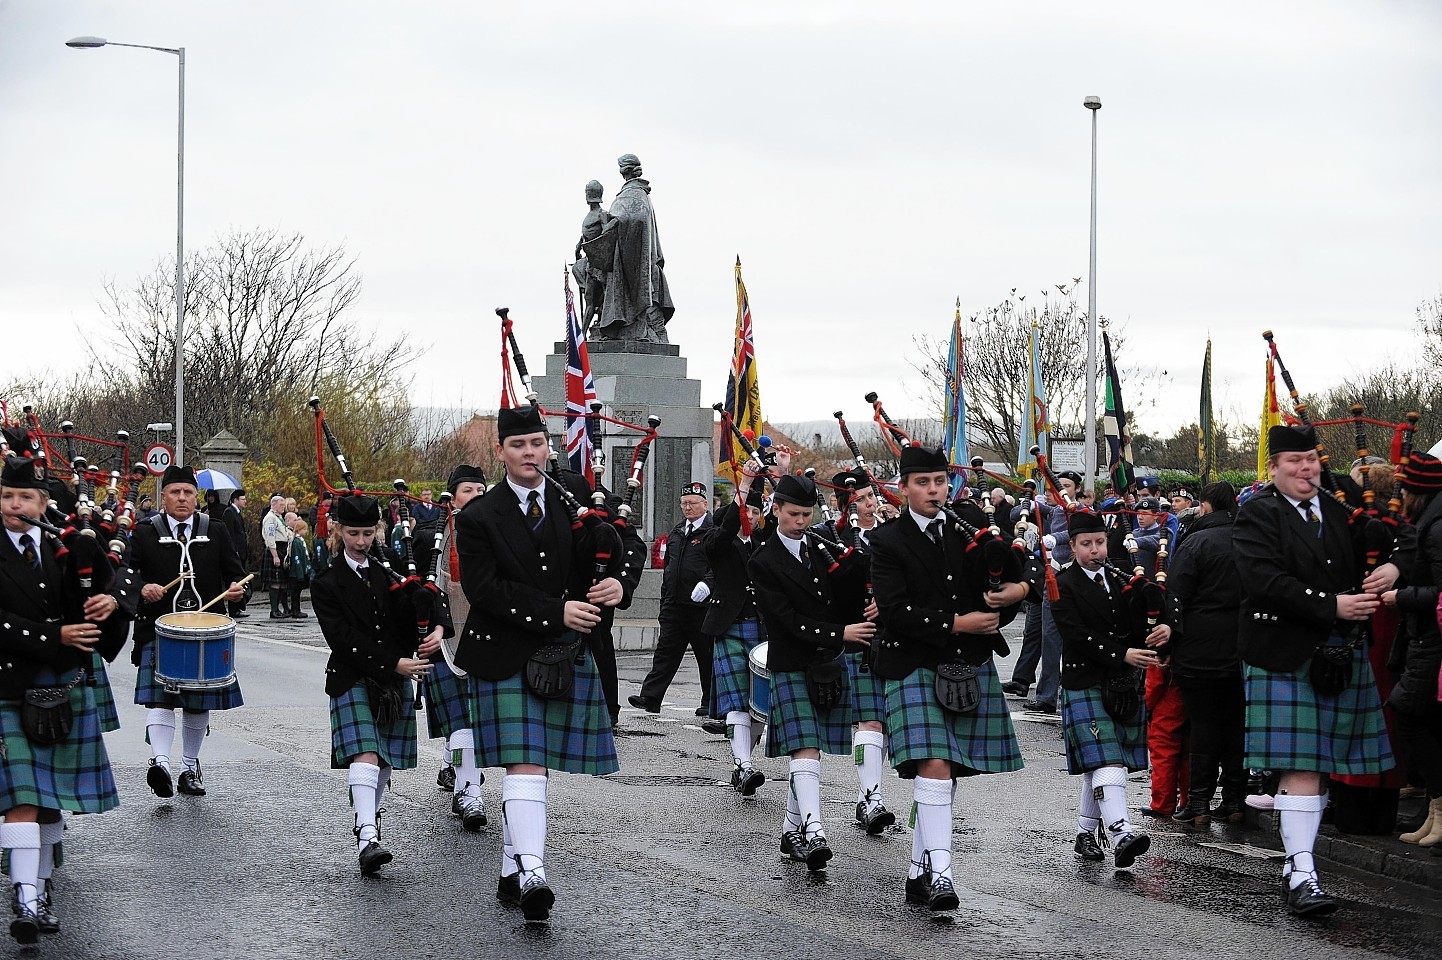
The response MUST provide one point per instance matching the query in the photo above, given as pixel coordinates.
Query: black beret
(465, 473)
(859, 482)
(175, 473)
(355, 510)
(694, 489)
(919, 459)
(518, 422)
(1284, 439)
(1084, 521)
(23, 473)
(798, 490)
(1071, 475)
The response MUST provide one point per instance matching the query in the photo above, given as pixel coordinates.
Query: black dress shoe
(1087, 848)
(508, 889)
(714, 727)
(1129, 847)
(942, 896)
(918, 889)
(793, 845)
(536, 899)
(473, 817)
(1039, 706)
(446, 778)
(1155, 814)
(746, 780)
(1229, 811)
(372, 857)
(190, 783)
(644, 703)
(817, 853)
(1015, 688)
(239, 615)
(703, 711)
(25, 928)
(874, 817)
(45, 917)
(1309, 900)
(159, 780)
(1194, 812)
(300, 615)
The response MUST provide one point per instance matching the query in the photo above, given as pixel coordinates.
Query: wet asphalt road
(661, 860)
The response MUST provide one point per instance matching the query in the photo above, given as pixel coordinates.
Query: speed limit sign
(157, 457)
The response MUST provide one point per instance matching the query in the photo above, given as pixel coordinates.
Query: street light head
(86, 43)
(1092, 103)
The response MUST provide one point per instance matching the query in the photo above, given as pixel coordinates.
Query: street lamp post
(1093, 104)
(90, 43)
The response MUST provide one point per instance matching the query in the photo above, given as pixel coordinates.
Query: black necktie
(27, 550)
(933, 530)
(1312, 518)
(534, 512)
(805, 554)
(363, 572)
(1101, 581)
(180, 533)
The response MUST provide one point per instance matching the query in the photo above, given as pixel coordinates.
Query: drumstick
(172, 583)
(239, 583)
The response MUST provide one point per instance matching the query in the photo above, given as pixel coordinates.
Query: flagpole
(1093, 104)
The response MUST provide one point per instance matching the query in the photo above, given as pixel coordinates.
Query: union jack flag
(580, 394)
(743, 389)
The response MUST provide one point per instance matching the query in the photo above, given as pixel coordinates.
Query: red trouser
(1166, 741)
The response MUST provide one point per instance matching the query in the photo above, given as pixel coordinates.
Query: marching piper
(1312, 702)
(536, 699)
(371, 631)
(1103, 717)
(810, 712)
(945, 712)
(159, 548)
(53, 758)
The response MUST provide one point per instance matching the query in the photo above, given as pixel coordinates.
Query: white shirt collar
(924, 522)
(523, 494)
(16, 535)
(175, 524)
(355, 567)
(792, 545)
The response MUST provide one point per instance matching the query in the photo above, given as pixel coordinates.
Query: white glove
(1050, 542)
(700, 592)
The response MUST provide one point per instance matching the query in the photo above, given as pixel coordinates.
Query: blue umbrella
(215, 480)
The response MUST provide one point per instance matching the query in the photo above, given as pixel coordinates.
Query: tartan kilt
(919, 728)
(572, 734)
(1095, 740)
(99, 681)
(354, 731)
(270, 575)
(731, 673)
(1291, 727)
(71, 775)
(149, 692)
(868, 691)
(793, 723)
(447, 701)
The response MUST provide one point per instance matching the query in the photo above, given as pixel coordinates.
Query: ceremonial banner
(580, 394)
(1271, 417)
(958, 453)
(1119, 441)
(1206, 439)
(1035, 424)
(743, 390)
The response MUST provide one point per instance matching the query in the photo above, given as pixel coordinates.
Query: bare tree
(994, 368)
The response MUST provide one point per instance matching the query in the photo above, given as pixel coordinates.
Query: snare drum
(194, 651)
(760, 690)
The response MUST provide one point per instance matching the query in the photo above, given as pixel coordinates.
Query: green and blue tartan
(99, 681)
(868, 691)
(731, 670)
(150, 693)
(793, 723)
(354, 731)
(73, 774)
(1095, 740)
(919, 728)
(447, 699)
(572, 734)
(1290, 727)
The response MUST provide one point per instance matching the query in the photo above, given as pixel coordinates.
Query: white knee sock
(383, 780)
(523, 804)
(869, 747)
(739, 724)
(918, 844)
(23, 842)
(806, 788)
(193, 728)
(508, 850)
(793, 810)
(50, 852)
(364, 780)
(1109, 786)
(160, 733)
(1298, 819)
(463, 758)
(933, 823)
(1089, 815)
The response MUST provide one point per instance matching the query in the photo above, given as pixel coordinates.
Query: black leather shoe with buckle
(158, 779)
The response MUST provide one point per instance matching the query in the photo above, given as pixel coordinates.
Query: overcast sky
(1261, 165)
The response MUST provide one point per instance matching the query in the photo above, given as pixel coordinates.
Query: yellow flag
(1271, 417)
(743, 389)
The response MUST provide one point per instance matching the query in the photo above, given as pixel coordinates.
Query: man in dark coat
(685, 587)
(1204, 661)
(536, 699)
(1312, 702)
(234, 522)
(159, 550)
